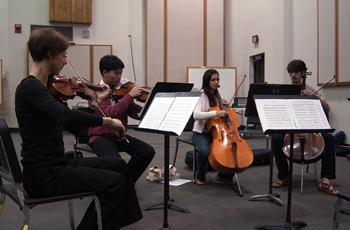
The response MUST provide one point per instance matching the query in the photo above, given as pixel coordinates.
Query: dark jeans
(327, 160)
(108, 177)
(202, 141)
(141, 153)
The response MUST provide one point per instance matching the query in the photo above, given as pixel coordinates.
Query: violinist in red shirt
(104, 141)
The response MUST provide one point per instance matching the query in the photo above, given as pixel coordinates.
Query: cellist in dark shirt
(295, 69)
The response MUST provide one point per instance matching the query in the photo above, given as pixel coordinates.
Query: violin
(125, 89)
(229, 152)
(63, 88)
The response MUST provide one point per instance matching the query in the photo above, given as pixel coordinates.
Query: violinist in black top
(41, 119)
(295, 69)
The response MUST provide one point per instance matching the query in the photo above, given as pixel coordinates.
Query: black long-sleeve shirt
(41, 119)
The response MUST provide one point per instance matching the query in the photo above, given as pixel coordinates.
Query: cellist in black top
(295, 69)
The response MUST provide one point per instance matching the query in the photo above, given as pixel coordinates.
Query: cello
(229, 151)
(313, 142)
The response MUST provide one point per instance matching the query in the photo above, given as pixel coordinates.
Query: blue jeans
(202, 142)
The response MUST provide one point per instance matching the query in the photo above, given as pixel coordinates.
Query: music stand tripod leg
(288, 224)
(269, 196)
(167, 203)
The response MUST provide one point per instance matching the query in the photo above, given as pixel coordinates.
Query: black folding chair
(11, 172)
(81, 142)
(338, 209)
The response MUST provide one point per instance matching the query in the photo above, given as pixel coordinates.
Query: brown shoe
(279, 183)
(200, 182)
(328, 188)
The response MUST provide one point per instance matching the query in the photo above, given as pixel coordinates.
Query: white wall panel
(326, 40)
(215, 33)
(155, 41)
(344, 41)
(185, 37)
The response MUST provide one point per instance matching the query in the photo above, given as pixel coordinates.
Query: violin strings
(85, 86)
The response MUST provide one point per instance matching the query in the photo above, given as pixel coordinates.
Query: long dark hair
(214, 97)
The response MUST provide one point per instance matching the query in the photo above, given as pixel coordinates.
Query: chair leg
(302, 178)
(71, 215)
(26, 216)
(98, 211)
(194, 165)
(2, 202)
(315, 171)
(338, 204)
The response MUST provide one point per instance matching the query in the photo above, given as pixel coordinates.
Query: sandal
(328, 188)
(279, 183)
(200, 182)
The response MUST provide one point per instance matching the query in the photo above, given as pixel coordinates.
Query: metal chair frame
(81, 142)
(11, 172)
(338, 209)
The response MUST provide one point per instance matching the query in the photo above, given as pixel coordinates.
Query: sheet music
(156, 112)
(274, 114)
(284, 114)
(181, 108)
(308, 114)
(169, 113)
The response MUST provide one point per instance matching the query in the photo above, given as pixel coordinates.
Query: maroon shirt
(122, 108)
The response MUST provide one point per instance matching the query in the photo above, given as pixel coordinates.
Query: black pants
(141, 153)
(327, 160)
(108, 177)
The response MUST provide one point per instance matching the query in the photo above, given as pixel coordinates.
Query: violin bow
(236, 91)
(331, 79)
(89, 91)
(132, 57)
(85, 86)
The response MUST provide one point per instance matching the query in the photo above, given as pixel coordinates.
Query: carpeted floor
(213, 206)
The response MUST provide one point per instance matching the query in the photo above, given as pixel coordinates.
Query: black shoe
(224, 178)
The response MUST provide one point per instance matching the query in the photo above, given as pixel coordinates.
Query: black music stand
(148, 125)
(288, 223)
(252, 116)
(165, 87)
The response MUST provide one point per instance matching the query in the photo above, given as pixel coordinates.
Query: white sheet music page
(178, 114)
(284, 114)
(156, 112)
(308, 114)
(274, 114)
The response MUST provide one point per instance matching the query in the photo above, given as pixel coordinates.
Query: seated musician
(41, 119)
(104, 141)
(295, 69)
(201, 137)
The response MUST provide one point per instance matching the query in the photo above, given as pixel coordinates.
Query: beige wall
(183, 33)
(286, 29)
